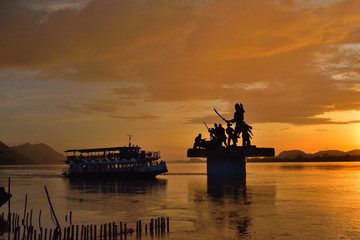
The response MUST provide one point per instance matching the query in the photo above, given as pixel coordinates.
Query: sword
(206, 126)
(220, 115)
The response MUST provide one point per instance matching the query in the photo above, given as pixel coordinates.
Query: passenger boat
(129, 161)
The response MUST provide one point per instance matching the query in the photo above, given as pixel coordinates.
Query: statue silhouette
(198, 141)
(218, 138)
(231, 135)
(238, 118)
(222, 135)
(246, 134)
(240, 126)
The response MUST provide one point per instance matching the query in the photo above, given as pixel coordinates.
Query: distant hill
(39, 153)
(292, 154)
(9, 156)
(355, 152)
(321, 156)
(329, 153)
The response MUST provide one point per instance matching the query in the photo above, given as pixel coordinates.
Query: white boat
(129, 162)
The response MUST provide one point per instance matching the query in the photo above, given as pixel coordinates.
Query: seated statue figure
(198, 142)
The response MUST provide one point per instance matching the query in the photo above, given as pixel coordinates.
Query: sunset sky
(86, 73)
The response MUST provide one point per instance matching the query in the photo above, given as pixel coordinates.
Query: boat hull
(127, 175)
(4, 196)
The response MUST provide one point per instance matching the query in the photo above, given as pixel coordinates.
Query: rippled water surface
(278, 200)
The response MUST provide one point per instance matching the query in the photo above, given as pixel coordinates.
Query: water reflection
(98, 200)
(121, 186)
(229, 192)
(230, 186)
(222, 206)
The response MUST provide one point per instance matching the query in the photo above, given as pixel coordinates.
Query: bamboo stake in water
(95, 232)
(52, 209)
(72, 232)
(77, 232)
(101, 231)
(31, 212)
(40, 219)
(9, 209)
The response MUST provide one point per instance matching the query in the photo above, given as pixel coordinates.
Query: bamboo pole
(82, 232)
(68, 233)
(101, 231)
(95, 233)
(9, 206)
(110, 231)
(91, 232)
(121, 230)
(31, 213)
(72, 232)
(52, 209)
(105, 231)
(40, 218)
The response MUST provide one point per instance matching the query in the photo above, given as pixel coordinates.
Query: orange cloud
(263, 54)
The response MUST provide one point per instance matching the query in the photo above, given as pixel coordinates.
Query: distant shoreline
(347, 158)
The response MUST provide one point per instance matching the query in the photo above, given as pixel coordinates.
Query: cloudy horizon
(85, 73)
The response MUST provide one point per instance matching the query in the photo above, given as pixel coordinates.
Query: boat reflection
(108, 185)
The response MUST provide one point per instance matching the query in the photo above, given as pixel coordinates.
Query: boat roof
(102, 149)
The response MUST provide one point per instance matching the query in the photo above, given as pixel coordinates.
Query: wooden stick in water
(9, 209)
(72, 232)
(101, 231)
(40, 219)
(23, 221)
(31, 213)
(52, 209)
(95, 232)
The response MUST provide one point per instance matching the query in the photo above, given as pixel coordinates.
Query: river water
(277, 201)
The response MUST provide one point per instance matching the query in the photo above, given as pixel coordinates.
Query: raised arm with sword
(221, 116)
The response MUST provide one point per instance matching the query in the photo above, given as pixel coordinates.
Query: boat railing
(143, 154)
(153, 154)
(65, 171)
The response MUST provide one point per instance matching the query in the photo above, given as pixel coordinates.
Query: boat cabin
(112, 160)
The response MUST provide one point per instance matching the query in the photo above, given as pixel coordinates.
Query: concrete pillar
(226, 166)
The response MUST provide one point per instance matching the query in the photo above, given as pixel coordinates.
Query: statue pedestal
(229, 162)
(226, 166)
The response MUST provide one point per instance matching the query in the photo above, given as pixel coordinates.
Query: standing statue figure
(231, 135)
(240, 126)
(222, 135)
(238, 118)
(213, 132)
